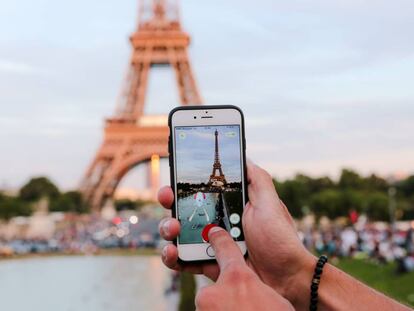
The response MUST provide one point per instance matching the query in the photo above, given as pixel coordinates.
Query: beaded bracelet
(315, 282)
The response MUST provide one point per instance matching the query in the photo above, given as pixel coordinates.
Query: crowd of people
(88, 234)
(378, 242)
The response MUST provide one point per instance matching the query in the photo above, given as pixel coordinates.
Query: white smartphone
(208, 176)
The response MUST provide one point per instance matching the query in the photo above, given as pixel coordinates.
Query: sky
(195, 153)
(323, 84)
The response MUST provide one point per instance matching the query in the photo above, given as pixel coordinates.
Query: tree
(327, 203)
(406, 186)
(11, 207)
(375, 183)
(350, 179)
(294, 194)
(128, 204)
(70, 201)
(38, 187)
(377, 206)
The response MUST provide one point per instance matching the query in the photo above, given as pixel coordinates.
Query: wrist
(297, 286)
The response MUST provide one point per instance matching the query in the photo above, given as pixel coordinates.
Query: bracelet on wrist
(316, 279)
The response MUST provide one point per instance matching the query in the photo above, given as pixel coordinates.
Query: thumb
(261, 187)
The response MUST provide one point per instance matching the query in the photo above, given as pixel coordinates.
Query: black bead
(315, 282)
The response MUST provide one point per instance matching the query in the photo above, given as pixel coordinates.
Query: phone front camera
(195, 117)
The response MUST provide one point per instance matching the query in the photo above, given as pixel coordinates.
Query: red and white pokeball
(200, 198)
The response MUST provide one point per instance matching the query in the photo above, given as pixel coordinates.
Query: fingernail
(214, 229)
(166, 227)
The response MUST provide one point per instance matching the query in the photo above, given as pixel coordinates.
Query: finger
(170, 259)
(169, 228)
(166, 197)
(227, 251)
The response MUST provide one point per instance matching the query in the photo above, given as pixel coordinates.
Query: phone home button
(210, 251)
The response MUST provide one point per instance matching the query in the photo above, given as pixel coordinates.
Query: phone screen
(209, 181)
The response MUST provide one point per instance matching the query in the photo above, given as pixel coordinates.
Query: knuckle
(266, 174)
(160, 225)
(239, 274)
(205, 297)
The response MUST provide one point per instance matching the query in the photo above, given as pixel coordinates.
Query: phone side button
(210, 252)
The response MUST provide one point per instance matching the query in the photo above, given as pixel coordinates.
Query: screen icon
(234, 218)
(235, 232)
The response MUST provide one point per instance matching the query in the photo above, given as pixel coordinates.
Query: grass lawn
(382, 277)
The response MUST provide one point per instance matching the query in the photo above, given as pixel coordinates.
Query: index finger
(166, 197)
(227, 251)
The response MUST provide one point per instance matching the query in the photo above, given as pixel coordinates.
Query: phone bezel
(204, 116)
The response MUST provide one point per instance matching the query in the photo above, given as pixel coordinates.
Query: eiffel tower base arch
(124, 147)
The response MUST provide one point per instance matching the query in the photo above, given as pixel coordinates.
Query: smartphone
(208, 176)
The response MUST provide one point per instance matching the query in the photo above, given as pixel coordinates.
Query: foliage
(325, 197)
(12, 206)
(70, 201)
(127, 204)
(37, 188)
(187, 292)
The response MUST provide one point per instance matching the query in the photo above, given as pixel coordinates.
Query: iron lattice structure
(217, 173)
(130, 136)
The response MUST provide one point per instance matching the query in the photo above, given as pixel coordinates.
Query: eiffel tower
(217, 179)
(130, 136)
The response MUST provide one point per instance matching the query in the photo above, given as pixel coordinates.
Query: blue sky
(195, 153)
(323, 84)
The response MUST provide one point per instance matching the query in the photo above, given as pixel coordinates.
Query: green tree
(350, 179)
(294, 193)
(12, 207)
(327, 203)
(38, 187)
(377, 206)
(375, 183)
(406, 186)
(128, 204)
(70, 201)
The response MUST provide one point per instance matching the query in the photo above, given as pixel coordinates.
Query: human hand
(275, 252)
(237, 286)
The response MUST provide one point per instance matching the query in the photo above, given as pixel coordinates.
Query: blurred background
(85, 87)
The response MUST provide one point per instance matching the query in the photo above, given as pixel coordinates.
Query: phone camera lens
(195, 117)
